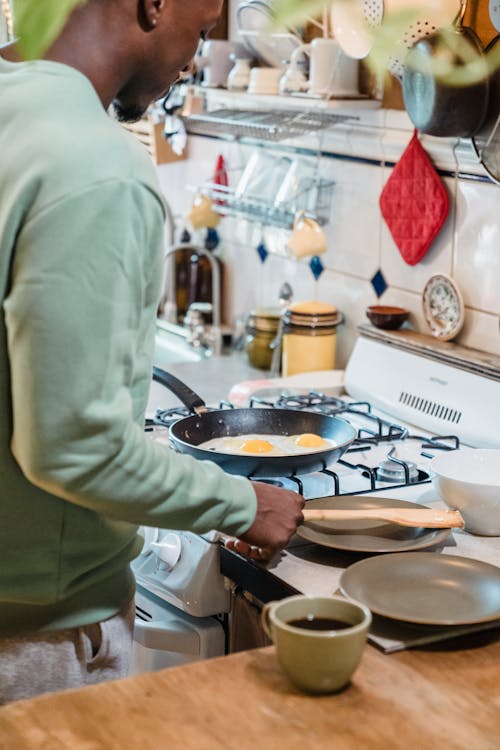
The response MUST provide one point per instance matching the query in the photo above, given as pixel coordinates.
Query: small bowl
(468, 480)
(389, 318)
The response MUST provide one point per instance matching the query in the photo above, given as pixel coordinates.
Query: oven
(182, 600)
(408, 401)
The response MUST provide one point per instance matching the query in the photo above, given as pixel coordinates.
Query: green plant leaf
(38, 22)
(292, 12)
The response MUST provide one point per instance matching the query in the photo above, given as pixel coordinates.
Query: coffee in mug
(319, 640)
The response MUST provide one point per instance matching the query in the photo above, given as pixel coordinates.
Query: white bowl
(468, 480)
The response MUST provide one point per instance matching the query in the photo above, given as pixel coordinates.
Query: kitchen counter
(212, 377)
(415, 699)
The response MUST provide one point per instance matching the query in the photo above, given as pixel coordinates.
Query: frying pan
(439, 107)
(486, 142)
(187, 433)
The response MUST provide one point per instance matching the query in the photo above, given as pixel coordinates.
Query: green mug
(319, 640)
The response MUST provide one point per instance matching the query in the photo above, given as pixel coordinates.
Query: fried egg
(269, 445)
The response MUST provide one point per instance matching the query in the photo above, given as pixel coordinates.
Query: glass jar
(261, 329)
(309, 337)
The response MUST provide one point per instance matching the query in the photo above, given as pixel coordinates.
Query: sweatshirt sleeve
(80, 324)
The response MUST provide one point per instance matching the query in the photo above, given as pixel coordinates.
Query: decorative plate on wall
(443, 307)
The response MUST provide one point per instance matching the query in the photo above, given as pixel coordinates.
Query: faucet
(167, 308)
(200, 335)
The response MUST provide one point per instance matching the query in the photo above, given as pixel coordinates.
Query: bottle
(309, 337)
(261, 330)
(193, 274)
(182, 277)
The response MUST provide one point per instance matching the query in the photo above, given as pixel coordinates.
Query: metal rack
(228, 203)
(261, 124)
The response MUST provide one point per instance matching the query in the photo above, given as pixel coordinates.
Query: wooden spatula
(428, 518)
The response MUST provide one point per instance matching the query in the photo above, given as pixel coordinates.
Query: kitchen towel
(414, 203)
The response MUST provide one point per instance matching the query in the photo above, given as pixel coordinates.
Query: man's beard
(133, 113)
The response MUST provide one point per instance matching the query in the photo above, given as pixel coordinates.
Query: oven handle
(169, 634)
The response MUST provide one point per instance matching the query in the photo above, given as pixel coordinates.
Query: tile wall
(359, 158)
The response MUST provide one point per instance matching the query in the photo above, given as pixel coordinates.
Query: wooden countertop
(416, 700)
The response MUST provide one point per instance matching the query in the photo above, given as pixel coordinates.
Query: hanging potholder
(414, 203)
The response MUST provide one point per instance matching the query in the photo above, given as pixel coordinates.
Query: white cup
(239, 77)
(307, 237)
(265, 81)
(331, 72)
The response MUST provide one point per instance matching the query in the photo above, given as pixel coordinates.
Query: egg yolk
(309, 440)
(256, 446)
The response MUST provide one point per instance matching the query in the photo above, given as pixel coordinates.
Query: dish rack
(261, 124)
(315, 202)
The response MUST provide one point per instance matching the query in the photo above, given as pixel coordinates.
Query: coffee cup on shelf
(331, 72)
(264, 81)
(307, 237)
(319, 641)
(202, 214)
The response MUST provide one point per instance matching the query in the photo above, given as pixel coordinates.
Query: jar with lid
(309, 337)
(261, 330)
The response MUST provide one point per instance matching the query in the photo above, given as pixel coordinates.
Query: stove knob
(168, 550)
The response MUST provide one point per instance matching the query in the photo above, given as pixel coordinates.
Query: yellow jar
(309, 337)
(261, 330)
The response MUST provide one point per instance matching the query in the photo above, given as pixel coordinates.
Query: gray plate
(368, 536)
(426, 588)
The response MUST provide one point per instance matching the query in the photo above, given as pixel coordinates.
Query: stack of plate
(408, 586)
(426, 588)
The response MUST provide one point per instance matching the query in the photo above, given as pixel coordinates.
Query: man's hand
(279, 512)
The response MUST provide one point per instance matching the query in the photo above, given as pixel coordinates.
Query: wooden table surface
(434, 699)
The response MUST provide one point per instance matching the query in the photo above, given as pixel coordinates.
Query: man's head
(133, 50)
(168, 33)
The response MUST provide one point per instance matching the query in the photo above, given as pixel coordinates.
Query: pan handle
(183, 392)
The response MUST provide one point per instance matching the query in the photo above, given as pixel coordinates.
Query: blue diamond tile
(212, 239)
(316, 267)
(379, 283)
(262, 251)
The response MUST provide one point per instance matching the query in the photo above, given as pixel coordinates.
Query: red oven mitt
(414, 203)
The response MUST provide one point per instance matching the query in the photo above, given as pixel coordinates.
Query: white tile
(437, 260)
(409, 301)
(277, 270)
(353, 232)
(481, 331)
(477, 245)
(351, 296)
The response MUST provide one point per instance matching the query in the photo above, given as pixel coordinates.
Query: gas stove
(408, 402)
(384, 454)
(407, 405)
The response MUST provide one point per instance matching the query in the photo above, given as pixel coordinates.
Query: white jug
(331, 72)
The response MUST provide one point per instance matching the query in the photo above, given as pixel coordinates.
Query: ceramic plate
(426, 588)
(270, 46)
(368, 536)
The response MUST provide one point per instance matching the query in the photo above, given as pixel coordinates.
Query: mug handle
(303, 48)
(264, 619)
(298, 217)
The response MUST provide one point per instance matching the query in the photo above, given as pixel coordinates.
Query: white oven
(182, 601)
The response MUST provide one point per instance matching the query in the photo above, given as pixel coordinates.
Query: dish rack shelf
(261, 124)
(315, 203)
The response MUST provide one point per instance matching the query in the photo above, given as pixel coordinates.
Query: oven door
(164, 636)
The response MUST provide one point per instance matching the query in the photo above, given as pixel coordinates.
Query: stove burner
(273, 482)
(391, 471)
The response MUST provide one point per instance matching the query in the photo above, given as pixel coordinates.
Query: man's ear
(150, 12)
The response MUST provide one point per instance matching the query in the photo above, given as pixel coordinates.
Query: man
(80, 257)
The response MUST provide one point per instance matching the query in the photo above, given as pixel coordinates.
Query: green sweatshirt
(81, 235)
